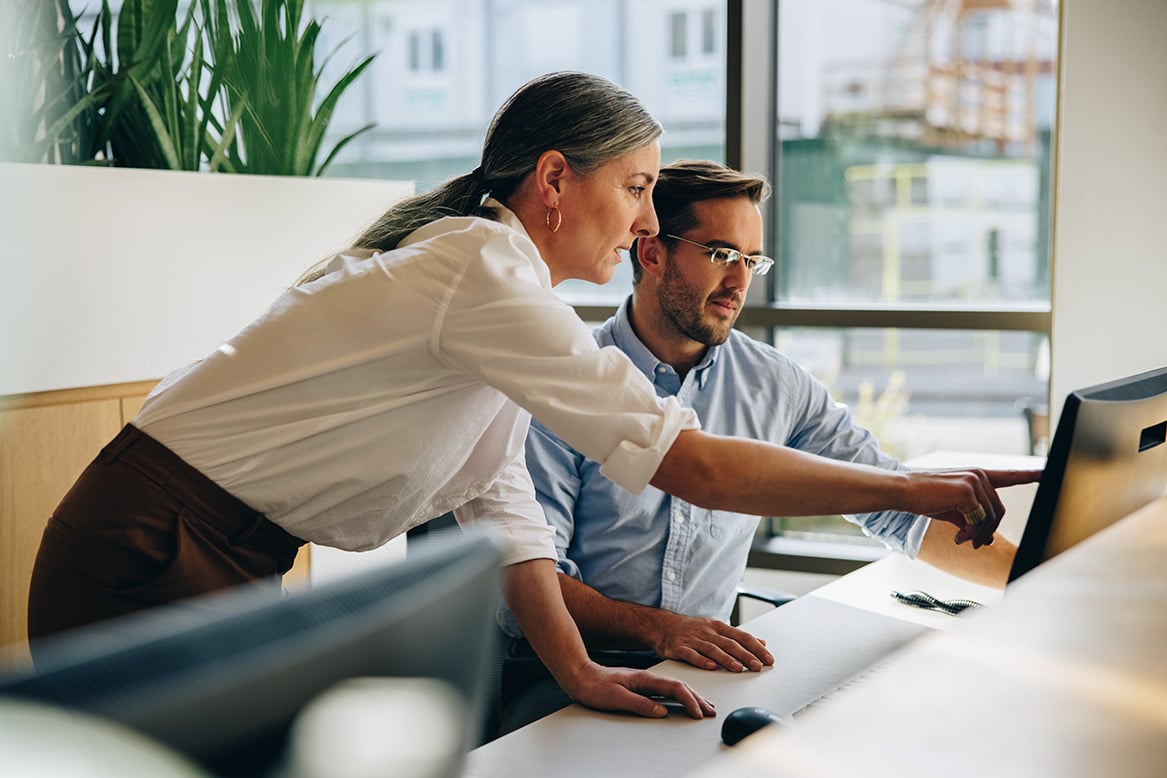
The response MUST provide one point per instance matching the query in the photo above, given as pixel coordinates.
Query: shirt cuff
(915, 536)
(632, 466)
(523, 537)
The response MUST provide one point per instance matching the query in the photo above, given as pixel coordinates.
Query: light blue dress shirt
(660, 551)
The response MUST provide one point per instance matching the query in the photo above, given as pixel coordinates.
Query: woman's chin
(604, 274)
(596, 274)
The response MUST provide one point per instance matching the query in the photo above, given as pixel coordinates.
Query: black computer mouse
(746, 721)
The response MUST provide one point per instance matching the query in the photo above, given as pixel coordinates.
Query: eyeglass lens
(756, 264)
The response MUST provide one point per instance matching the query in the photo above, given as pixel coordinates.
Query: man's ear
(652, 255)
(550, 171)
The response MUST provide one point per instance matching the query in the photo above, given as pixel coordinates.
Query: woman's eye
(637, 191)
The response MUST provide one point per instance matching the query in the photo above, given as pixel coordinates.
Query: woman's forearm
(754, 477)
(533, 594)
(749, 476)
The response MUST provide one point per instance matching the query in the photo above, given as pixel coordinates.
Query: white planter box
(116, 275)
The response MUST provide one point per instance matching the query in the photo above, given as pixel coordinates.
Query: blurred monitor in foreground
(1108, 458)
(222, 681)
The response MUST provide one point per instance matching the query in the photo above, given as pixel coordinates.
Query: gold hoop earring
(558, 219)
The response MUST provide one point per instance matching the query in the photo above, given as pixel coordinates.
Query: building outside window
(911, 224)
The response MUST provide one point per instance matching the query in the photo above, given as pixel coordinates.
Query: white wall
(1110, 201)
(116, 275)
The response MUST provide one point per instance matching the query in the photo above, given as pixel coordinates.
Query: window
(427, 51)
(679, 39)
(437, 51)
(445, 66)
(911, 159)
(414, 52)
(708, 32)
(693, 34)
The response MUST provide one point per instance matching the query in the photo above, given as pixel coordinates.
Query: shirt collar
(506, 216)
(626, 339)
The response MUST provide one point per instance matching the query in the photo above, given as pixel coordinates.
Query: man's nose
(738, 276)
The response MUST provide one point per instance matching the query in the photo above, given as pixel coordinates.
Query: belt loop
(126, 438)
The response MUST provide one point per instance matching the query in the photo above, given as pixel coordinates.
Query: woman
(393, 383)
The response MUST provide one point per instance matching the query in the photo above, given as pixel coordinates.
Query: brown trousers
(140, 528)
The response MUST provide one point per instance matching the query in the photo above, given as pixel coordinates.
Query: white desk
(1066, 676)
(577, 741)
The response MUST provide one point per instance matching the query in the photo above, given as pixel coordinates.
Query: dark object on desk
(220, 678)
(746, 721)
(1107, 460)
(928, 602)
(672, 704)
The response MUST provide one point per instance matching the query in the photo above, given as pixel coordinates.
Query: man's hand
(619, 688)
(708, 643)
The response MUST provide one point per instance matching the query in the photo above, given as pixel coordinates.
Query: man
(651, 571)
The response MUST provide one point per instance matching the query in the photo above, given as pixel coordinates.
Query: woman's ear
(550, 171)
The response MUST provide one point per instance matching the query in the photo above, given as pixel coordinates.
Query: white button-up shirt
(399, 386)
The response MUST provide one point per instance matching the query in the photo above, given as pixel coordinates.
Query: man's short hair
(688, 181)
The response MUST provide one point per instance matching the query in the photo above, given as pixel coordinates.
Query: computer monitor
(222, 681)
(1107, 459)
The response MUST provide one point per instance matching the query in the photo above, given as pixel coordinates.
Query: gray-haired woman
(395, 382)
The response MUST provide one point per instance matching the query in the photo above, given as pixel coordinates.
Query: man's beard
(683, 307)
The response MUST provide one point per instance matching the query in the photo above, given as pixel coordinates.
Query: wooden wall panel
(131, 404)
(42, 451)
(46, 440)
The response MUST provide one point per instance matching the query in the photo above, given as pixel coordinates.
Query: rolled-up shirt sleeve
(514, 515)
(504, 326)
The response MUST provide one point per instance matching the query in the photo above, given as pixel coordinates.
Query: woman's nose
(646, 224)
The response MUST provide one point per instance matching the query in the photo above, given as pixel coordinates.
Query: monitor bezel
(1033, 548)
(192, 677)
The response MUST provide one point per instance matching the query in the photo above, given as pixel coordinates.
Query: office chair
(764, 594)
(1037, 424)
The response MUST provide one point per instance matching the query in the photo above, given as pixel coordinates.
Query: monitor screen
(1107, 460)
(222, 681)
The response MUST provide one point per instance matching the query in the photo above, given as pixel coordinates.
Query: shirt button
(672, 576)
(680, 519)
(661, 369)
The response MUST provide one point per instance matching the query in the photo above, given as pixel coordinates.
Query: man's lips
(727, 304)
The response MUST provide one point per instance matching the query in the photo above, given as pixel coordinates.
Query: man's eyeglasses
(723, 256)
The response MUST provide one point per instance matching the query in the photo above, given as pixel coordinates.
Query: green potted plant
(46, 68)
(270, 82)
(224, 88)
